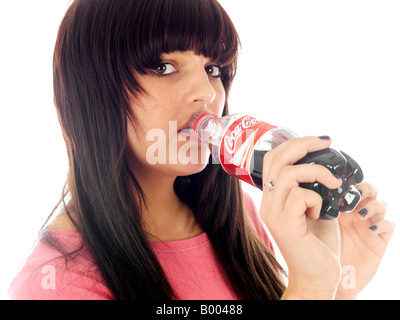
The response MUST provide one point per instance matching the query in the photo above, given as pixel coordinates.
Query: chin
(193, 166)
(190, 169)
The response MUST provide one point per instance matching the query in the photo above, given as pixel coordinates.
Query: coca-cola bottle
(239, 142)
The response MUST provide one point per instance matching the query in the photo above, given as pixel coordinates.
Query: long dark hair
(100, 43)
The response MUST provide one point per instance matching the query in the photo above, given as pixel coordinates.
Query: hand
(309, 246)
(365, 236)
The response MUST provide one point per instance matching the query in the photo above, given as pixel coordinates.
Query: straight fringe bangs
(164, 26)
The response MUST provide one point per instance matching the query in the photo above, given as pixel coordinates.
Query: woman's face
(182, 85)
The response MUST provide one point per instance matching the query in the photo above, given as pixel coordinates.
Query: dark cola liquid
(256, 167)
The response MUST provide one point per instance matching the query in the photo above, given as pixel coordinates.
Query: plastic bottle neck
(207, 128)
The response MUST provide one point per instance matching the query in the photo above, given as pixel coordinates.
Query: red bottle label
(237, 145)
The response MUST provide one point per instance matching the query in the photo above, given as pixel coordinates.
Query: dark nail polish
(324, 137)
(373, 228)
(363, 212)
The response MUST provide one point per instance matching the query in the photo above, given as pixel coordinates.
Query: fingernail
(373, 228)
(324, 137)
(363, 212)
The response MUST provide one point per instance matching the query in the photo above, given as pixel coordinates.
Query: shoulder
(256, 221)
(46, 275)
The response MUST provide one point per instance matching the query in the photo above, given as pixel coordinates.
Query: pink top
(190, 265)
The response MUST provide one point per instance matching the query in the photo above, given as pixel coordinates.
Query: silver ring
(269, 185)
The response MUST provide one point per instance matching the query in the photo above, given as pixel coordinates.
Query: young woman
(132, 228)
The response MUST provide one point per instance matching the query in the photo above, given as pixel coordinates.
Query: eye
(214, 71)
(164, 69)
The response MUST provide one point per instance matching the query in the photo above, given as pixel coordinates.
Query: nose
(199, 88)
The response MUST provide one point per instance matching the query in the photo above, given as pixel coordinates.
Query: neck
(166, 218)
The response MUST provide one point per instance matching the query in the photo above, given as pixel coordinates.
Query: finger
(383, 228)
(368, 191)
(293, 175)
(294, 149)
(374, 210)
(289, 153)
(300, 201)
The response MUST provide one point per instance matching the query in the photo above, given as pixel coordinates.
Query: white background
(316, 67)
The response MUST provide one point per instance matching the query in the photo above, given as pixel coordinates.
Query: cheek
(150, 128)
(219, 102)
(155, 145)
